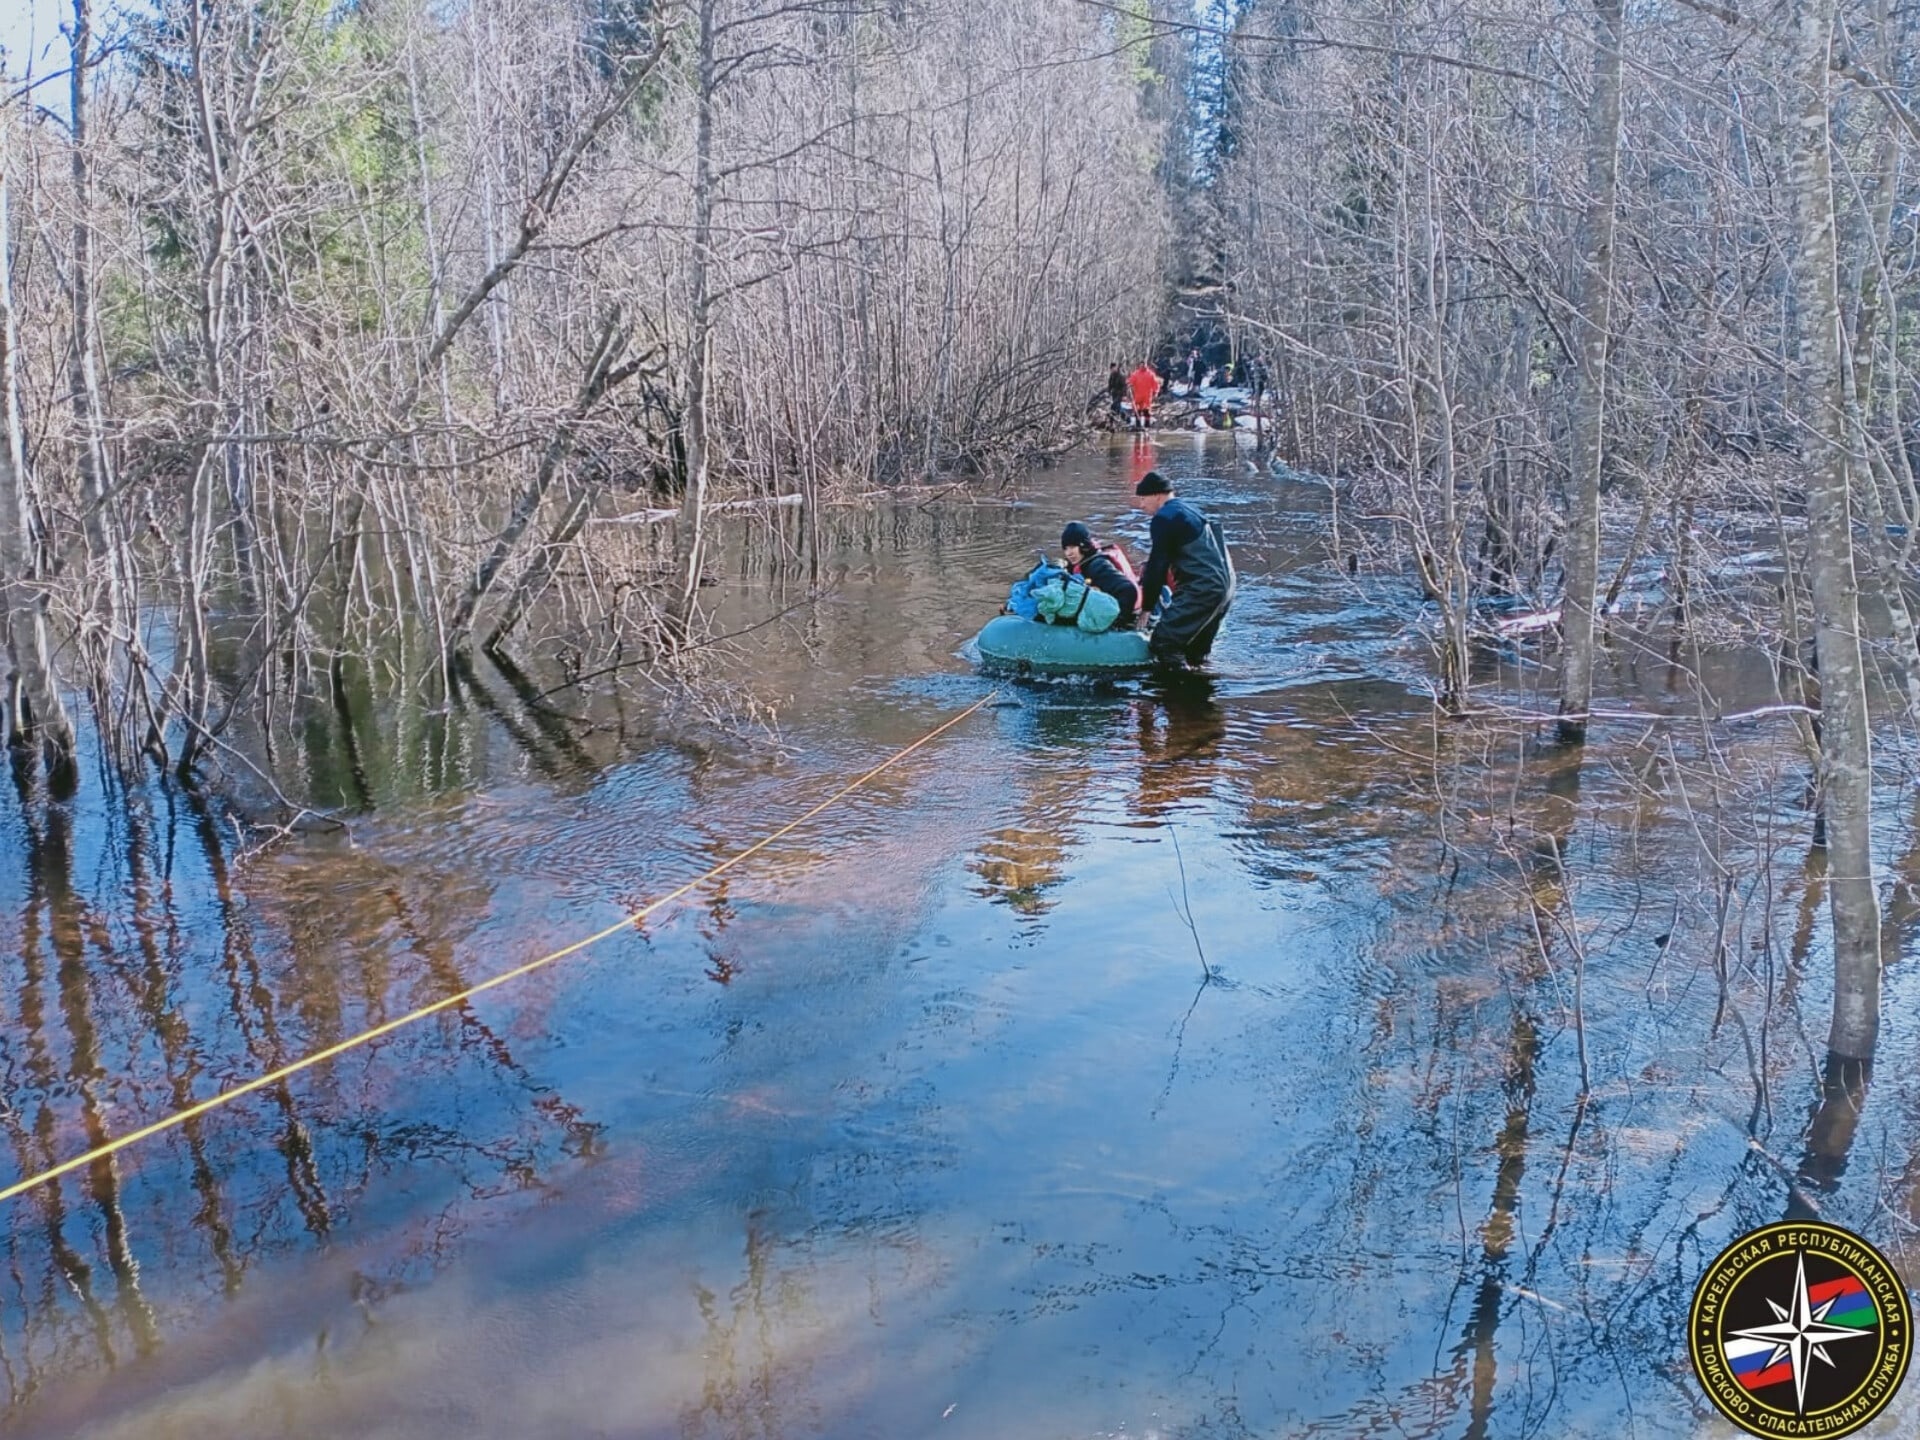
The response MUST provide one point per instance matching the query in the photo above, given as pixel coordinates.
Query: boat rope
(227, 1097)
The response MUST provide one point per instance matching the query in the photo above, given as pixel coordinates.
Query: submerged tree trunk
(1845, 748)
(689, 538)
(108, 604)
(33, 698)
(1589, 412)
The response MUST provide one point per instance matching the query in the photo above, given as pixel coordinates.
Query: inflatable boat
(1011, 642)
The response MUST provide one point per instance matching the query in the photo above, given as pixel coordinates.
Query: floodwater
(1203, 1062)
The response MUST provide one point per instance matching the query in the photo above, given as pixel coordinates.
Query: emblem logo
(1800, 1329)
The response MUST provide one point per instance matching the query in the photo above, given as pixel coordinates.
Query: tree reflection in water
(1019, 864)
(1505, 1045)
(123, 1009)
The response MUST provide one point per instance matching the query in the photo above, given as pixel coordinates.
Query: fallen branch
(654, 517)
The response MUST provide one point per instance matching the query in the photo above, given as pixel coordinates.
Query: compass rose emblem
(1800, 1334)
(1800, 1329)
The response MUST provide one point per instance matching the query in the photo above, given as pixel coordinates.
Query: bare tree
(336, 273)
(35, 711)
(1594, 336)
(1846, 772)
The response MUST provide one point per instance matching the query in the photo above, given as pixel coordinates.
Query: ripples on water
(1132, 1061)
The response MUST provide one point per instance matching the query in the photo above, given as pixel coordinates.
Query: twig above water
(1186, 904)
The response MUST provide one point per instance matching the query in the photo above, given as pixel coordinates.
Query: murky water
(1136, 1062)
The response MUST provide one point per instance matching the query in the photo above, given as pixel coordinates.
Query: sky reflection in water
(1134, 1062)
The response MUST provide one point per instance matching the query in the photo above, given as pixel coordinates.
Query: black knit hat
(1076, 534)
(1153, 483)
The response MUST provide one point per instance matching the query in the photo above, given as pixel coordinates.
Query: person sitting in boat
(1189, 546)
(1105, 567)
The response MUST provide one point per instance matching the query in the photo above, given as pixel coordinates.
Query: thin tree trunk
(539, 571)
(34, 698)
(601, 376)
(1845, 742)
(1884, 567)
(1640, 529)
(83, 371)
(1589, 412)
(689, 538)
(1448, 580)
(105, 554)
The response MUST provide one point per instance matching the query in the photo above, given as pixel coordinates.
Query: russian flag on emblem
(1748, 1361)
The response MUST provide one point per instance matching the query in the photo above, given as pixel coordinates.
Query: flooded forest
(487, 476)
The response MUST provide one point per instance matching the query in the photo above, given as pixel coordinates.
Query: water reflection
(1181, 729)
(745, 1374)
(1547, 786)
(155, 982)
(1019, 863)
(924, 1121)
(1492, 1297)
(162, 1013)
(1836, 1120)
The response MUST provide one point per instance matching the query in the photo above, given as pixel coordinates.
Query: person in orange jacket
(1145, 385)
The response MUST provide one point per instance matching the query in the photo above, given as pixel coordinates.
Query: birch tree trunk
(1845, 749)
(1589, 411)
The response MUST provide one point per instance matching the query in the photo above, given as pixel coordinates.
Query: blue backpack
(1023, 598)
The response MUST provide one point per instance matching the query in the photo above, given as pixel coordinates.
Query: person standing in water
(1192, 549)
(1117, 393)
(1144, 384)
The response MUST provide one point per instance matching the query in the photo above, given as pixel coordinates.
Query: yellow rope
(192, 1112)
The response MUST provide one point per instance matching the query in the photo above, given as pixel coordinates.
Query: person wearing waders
(1188, 547)
(1117, 393)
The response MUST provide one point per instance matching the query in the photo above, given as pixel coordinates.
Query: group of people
(1188, 566)
(1141, 386)
(1145, 382)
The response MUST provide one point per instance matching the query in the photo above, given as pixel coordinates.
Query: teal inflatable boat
(1010, 642)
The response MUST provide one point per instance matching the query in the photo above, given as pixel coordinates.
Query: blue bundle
(1022, 599)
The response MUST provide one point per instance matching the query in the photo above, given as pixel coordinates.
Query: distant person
(1193, 368)
(1105, 567)
(1145, 385)
(1190, 548)
(1117, 392)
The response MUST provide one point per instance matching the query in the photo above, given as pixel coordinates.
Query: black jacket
(1181, 544)
(1102, 574)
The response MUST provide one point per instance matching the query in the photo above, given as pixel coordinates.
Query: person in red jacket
(1145, 385)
